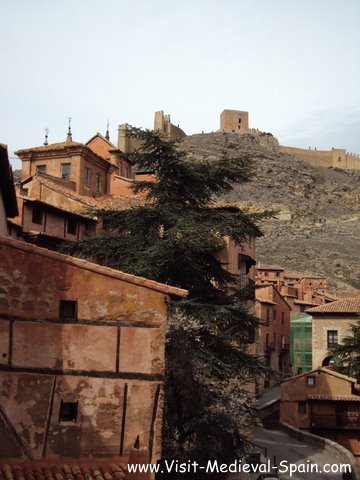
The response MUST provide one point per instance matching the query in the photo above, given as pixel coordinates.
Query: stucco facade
(325, 403)
(71, 161)
(274, 333)
(321, 325)
(81, 355)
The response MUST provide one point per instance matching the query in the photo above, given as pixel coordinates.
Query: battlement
(162, 124)
(334, 158)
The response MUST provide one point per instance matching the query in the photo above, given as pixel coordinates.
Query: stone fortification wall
(334, 158)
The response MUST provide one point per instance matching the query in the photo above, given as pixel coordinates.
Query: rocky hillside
(317, 229)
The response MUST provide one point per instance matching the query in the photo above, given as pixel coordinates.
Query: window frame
(87, 177)
(37, 215)
(64, 175)
(332, 333)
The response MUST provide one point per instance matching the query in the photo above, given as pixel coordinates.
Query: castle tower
(234, 121)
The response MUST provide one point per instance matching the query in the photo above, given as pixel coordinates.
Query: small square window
(68, 309)
(72, 226)
(37, 215)
(302, 407)
(68, 411)
(310, 381)
(41, 168)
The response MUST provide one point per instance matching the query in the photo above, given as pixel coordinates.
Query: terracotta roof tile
(79, 469)
(264, 266)
(86, 202)
(349, 305)
(127, 277)
(351, 398)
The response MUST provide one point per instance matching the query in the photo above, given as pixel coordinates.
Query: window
(65, 169)
(87, 177)
(41, 168)
(267, 316)
(239, 120)
(72, 226)
(97, 183)
(120, 169)
(274, 314)
(332, 338)
(37, 215)
(68, 309)
(127, 172)
(68, 411)
(282, 318)
(277, 274)
(265, 274)
(310, 381)
(302, 407)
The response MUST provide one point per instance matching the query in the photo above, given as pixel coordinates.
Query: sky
(293, 64)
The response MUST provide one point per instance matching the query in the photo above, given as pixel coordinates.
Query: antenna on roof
(69, 136)
(107, 135)
(46, 143)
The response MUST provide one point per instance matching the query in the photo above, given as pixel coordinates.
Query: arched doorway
(327, 361)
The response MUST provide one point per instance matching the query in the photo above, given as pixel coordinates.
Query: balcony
(246, 287)
(344, 421)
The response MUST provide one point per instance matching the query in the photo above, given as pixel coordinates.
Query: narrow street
(283, 447)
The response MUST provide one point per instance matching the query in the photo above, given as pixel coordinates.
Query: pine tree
(175, 238)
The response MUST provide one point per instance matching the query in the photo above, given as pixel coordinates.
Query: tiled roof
(61, 209)
(103, 201)
(327, 371)
(94, 267)
(263, 266)
(60, 146)
(351, 398)
(81, 469)
(349, 305)
(264, 300)
(98, 134)
(52, 146)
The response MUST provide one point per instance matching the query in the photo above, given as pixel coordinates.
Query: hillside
(318, 225)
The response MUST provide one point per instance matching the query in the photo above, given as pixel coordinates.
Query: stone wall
(321, 323)
(234, 121)
(335, 158)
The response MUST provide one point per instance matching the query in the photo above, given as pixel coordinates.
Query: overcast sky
(293, 64)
